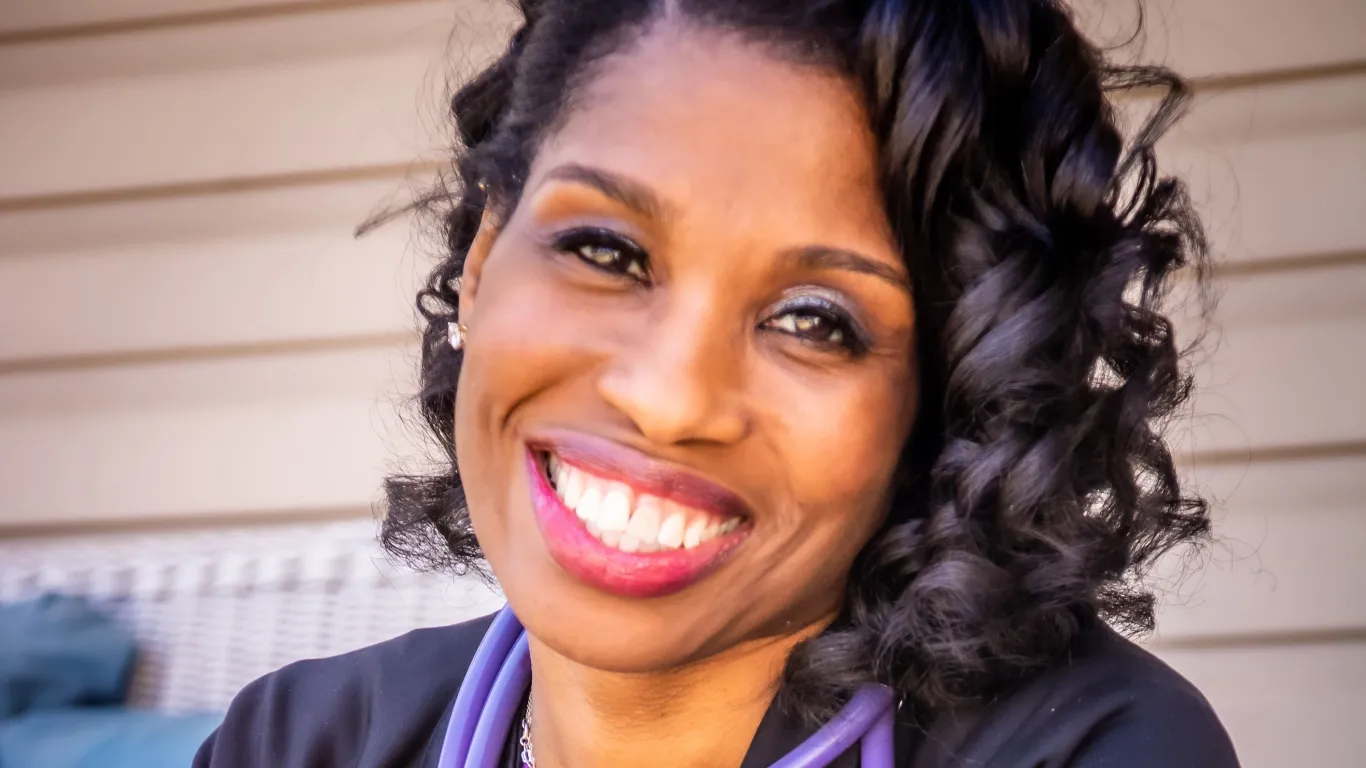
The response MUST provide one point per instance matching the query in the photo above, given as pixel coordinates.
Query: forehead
(718, 125)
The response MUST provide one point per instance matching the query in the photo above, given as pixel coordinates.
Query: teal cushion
(58, 651)
(103, 737)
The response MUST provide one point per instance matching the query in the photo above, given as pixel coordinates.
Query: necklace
(528, 756)
(485, 710)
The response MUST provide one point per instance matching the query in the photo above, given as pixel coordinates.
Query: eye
(607, 251)
(819, 322)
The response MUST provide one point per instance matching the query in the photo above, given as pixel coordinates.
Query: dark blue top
(1109, 704)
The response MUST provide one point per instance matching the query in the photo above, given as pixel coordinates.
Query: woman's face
(690, 362)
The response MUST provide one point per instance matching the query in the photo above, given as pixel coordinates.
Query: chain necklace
(528, 756)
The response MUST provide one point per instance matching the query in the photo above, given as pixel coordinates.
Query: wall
(190, 336)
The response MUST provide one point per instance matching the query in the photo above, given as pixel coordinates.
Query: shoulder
(1108, 703)
(379, 705)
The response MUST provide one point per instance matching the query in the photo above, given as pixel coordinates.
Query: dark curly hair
(1036, 488)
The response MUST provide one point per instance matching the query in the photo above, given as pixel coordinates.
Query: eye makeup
(605, 250)
(820, 321)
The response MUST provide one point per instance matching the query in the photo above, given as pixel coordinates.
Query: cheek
(516, 347)
(842, 438)
(532, 343)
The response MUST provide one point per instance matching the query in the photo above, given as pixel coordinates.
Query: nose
(678, 381)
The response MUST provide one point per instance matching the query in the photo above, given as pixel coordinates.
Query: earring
(455, 334)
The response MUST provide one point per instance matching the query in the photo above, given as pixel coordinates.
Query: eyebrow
(639, 198)
(826, 257)
(629, 193)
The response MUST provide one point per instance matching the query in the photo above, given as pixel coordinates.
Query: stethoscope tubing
(868, 718)
(502, 635)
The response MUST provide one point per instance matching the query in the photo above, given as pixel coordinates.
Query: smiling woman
(789, 357)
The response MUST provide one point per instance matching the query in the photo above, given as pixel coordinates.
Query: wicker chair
(215, 608)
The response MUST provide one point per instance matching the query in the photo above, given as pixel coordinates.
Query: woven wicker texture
(213, 609)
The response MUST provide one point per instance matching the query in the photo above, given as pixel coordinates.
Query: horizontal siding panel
(255, 436)
(1278, 198)
(337, 206)
(231, 292)
(1255, 111)
(379, 105)
(1278, 366)
(1285, 706)
(1285, 556)
(187, 127)
(1275, 170)
(1202, 37)
(1210, 38)
(16, 15)
(349, 29)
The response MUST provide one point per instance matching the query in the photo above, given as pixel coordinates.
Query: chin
(614, 634)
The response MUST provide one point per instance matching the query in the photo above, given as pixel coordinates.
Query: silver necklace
(528, 756)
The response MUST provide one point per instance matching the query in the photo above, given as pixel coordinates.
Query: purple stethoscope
(500, 673)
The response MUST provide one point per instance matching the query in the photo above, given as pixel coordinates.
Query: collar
(778, 734)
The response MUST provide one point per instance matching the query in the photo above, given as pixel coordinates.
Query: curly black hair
(1036, 488)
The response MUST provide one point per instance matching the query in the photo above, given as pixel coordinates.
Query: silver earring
(455, 334)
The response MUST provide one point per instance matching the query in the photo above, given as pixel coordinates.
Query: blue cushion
(58, 651)
(108, 737)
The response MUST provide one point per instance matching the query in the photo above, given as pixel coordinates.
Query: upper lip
(611, 460)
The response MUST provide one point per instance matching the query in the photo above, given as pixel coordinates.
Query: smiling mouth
(630, 519)
(625, 523)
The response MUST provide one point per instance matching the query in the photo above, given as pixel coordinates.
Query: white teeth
(614, 514)
(671, 531)
(644, 525)
(570, 486)
(589, 502)
(615, 511)
(694, 533)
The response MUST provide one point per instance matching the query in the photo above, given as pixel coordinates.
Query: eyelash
(803, 317)
(814, 320)
(604, 250)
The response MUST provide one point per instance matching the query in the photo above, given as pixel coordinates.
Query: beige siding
(188, 331)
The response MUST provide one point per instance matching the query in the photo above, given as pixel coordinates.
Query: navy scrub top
(1109, 704)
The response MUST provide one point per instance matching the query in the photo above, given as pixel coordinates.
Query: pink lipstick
(626, 523)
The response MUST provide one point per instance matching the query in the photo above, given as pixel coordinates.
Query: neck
(705, 713)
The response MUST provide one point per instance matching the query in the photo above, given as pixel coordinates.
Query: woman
(787, 349)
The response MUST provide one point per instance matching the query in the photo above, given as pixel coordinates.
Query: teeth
(644, 524)
(631, 522)
(671, 530)
(694, 533)
(570, 486)
(589, 502)
(615, 511)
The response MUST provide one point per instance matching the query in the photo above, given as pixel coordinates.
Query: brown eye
(819, 322)
(813, 327)
(606, 251)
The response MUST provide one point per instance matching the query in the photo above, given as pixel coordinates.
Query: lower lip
(629, 574)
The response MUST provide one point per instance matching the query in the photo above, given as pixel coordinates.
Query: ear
(474, 263)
